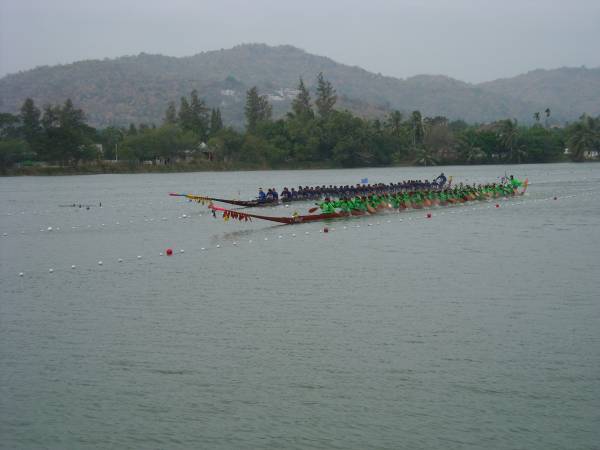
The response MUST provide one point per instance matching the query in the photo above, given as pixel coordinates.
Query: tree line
(312, 132)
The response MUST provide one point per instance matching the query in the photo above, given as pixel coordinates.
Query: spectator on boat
(441, 180)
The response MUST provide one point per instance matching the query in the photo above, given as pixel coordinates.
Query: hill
(138, 88)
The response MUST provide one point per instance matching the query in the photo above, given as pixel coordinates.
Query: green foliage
(216, 122)
(167, 142)
(331, 137)
(13, 151)
(301, 104)
(326, 97)
(583, 136)
(257, 109)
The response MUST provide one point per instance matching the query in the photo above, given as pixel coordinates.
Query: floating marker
(73, 266)
(218, 245)
(160, 254)
(325, 230)
(293, 234)
(51, 270)
(49, 228)
(234, 243)
(497, 205)
(139, 257)
(169, 251)
(428, 215)
(119, 260)
(182, 251)
(100, 262)
(21, 274)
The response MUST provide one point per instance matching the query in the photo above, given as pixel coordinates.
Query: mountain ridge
(137, 88)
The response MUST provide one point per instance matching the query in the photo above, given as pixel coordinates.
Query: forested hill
(138, 88)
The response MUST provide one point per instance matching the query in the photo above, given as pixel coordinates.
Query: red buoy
(429, 215)
(169, 252)
(497, 205)
(325, 230)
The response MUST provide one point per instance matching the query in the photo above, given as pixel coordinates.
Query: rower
(275, 194)
(262, 197)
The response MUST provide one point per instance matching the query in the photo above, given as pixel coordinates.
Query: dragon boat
(297, 218)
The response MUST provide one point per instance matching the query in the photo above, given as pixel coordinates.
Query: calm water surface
(478, 328)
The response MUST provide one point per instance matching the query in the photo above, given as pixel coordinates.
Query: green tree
(170, 114)
(425, 157)
(508, 133)
(216, 122)
(582, 136)
(31, 125)
(417, 129)
(199, 116)
(13, 151)
(185, 117)
(301, 103)
(326, 97)
(257, 109)
(394, 123)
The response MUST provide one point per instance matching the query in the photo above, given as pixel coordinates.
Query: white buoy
(119, 260)
(306, 232)
(234, 243)
(139, 257)
(49, 228)
(279, 236)
(100, 262)
(202, 248)
(160, 254)
(182, 251)
(218, 245)
(21, 274)
(73, 266)
(293, 234)
(266, 239)
(51, 270)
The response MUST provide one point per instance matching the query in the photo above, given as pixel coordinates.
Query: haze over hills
(136, 89)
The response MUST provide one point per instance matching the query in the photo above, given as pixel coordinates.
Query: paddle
(312, 210)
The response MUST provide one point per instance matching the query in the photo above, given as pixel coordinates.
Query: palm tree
(469, 151)
(394, 123)
(508, 134)
(418, 132)
(583, 135)
(547, 111)
(425, 157)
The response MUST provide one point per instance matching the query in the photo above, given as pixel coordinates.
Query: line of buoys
(327, 229)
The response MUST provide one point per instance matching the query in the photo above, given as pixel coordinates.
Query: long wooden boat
(296, 219)
(247, 203)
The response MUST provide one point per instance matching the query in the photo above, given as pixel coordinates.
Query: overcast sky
(472, 40)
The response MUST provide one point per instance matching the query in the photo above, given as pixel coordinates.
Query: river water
(477, 328)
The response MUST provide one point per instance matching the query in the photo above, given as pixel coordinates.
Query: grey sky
(467, 39)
